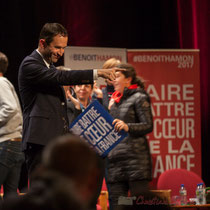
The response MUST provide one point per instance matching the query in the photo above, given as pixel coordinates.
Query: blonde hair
(110, 63)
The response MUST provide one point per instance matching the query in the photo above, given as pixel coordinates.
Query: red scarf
(117, 95)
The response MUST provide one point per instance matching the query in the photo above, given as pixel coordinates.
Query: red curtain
(81, 21)
(194, 33)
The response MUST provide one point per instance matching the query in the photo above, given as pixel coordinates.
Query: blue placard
(95, 126)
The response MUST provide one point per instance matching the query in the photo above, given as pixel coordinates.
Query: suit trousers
(118, 192)
(33, 155)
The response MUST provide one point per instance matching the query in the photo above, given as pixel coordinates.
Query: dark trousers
(23, 182)
(101, 169)
(118, 192)
(11, 159)
(33, 155)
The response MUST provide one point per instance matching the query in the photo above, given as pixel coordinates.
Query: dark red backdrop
(106, 23)
(194, 33)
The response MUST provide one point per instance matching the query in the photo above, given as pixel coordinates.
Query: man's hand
(109, 73)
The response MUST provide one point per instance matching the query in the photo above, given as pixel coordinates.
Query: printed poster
(95, 126)
(92, 57)
(173, 81)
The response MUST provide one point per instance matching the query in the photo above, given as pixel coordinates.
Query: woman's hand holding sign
(120, 125)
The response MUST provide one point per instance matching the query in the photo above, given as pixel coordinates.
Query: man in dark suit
(42, 95)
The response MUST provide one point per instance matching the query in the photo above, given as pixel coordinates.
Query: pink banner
(173, 81)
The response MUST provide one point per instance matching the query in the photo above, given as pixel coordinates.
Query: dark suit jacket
(43, 99)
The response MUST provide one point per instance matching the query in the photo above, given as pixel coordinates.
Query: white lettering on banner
(173, 161)
(92, 135)
(172, 147)
(175, 157)
(187, 91)
(173, 108)
(102, 146)
(184, 61)
(92, 114)
(108, 140)
(185, 147)
(88, 117)
(84, 122)
(171, 92)
(96, 130)
(103, 123)
(154, 147)
(112, 137)
(172, 128)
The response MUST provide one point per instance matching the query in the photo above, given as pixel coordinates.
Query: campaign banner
(92, 58)
(95, 126)
(173, 81)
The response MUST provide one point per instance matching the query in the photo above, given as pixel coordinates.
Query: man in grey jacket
(11, 157)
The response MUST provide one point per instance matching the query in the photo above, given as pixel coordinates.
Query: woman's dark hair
(131, 72)
(49, 30)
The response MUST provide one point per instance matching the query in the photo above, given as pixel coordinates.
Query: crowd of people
(64, 171)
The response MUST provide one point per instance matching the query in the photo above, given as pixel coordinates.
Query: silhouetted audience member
(50, 191)
(73, 158)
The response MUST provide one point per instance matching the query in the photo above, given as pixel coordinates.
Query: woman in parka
(129, 164)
